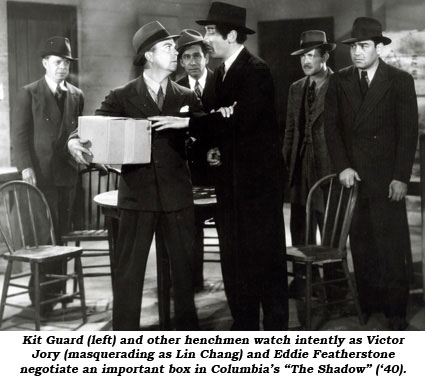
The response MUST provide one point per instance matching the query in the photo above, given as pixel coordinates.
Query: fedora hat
(57, 46)
(312, 39)
(227, 14)
(189, 37)
(146, 37)
(366, 28)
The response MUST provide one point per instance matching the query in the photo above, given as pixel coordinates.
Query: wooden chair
(338, 206)
(88, 221)
(27, 229)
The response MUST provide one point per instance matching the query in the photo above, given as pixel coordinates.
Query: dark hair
(224, 30)
(321, 50)
(204, 48)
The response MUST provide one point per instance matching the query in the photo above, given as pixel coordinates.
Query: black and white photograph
(182, 165)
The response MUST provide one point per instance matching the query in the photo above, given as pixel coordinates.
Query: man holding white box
(157, 196)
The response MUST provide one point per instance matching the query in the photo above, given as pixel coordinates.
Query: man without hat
(155, 197)
(46, 113)
(193, 57)
(248, 168)
(304, 145)
(371, 127)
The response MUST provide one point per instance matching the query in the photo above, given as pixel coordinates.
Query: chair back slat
(92, 181)
(25, 218)
(19, 216)
(31, 218)
(335, 203)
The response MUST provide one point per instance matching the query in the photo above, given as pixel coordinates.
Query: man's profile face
(218, 46)
(193, 61)
(164, 55)
(312, 62)
(365, 54)
(57, 68)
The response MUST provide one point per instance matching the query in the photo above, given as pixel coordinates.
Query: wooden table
(203, 197)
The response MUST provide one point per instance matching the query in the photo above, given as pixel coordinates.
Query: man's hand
(28, 175)
(347, 176)
(226, 112)
(76, 148)
(214, 157)
(169, 122)
(397, 190)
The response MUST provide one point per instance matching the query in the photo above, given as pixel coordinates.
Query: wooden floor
(211, 304)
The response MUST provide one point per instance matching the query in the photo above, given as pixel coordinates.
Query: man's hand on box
(28, 175)
(169, 122)
(78, 150)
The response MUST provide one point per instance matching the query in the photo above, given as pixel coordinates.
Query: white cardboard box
(116, 140)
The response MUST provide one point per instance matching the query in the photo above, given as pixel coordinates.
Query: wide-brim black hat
(57, 46)
(146, 37)
(227, 14)
(313, 39)
(366, 28)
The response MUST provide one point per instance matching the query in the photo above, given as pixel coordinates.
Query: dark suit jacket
(376, 137)
(197, 148)
(208, 93)
(164, 184)
(39, 134)
(294, 129)
(249, 141)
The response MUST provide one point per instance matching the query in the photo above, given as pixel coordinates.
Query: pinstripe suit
(377, 138)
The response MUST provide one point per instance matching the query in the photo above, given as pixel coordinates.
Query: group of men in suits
(362, 123)
(335, 122)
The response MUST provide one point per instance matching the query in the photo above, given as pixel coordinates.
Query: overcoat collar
(377, 89)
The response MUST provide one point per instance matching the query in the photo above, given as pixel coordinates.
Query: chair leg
(37, 296)
(308, 293)
(5, 289)
(353, 291)
(79, 272)
(74, 287)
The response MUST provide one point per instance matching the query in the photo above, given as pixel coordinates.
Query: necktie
(311, 94)
(60, 98)
(197, 89)
(160, 98)
(364, 83)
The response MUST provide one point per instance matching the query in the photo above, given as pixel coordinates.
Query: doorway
(29, 25)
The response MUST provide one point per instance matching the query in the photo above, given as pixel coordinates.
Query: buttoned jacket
(376, 136)
(40, 133)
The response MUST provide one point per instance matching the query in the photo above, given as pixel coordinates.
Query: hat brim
(187, 44)
(45, 54)
(139, 59)
(384, 40)
(240, 28)
(328, 47)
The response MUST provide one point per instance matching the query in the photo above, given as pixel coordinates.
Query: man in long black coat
(249, 167)
(371, 126)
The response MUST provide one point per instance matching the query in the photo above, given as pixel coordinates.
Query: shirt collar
(321, 81)
(371, 71)
(153, 85)
(202, 80)
(53, 85)
(232, 59)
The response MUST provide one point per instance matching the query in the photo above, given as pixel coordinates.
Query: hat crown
(227, 14)
(150, 32)
(57, 46)
(313, 37)
(366, 27)
(189, 37)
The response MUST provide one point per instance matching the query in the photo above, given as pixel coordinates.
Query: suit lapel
(320, 102)
(140, 97)
(378, 87)
(299, 101)
(48, 103)
(351, 88)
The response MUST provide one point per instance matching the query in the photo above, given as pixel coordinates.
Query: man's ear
(379, 48)
(207, 58)
(231, 36)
